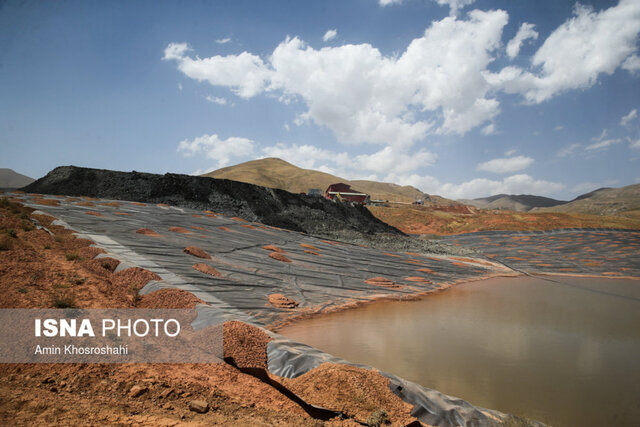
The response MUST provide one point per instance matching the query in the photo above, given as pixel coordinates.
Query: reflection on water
(565, 351)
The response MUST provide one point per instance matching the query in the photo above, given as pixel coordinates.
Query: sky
(460, 98)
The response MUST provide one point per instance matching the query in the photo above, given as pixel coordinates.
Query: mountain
(10, 179)
(604, 201)
(277, 173)
(520, 202)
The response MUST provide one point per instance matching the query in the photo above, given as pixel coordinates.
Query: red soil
(94, 213)
(169, 298)
(307, 246)
(196, 251)
(278, 256)
(382, 281)
(148, 232)
(206, 269)
(114, 204)
(280, 301)
(311, 253)
(274, 249)
(245, 344)
(86, 204)
(179, 230)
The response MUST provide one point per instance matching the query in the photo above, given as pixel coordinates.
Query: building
(344, 192)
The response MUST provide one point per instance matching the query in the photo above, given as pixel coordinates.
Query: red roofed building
(344, 192)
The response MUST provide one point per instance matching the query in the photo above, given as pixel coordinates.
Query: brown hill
(604, 201)
(12, 179)
(277, 173)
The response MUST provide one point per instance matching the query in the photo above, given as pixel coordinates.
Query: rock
(166, 393)
(199, 406)
(281, 301)
(137, 391)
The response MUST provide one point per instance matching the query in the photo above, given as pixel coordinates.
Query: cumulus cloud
(330, 35)
(224, 40)
(632, 64)
(306, 156)
(437, 84)
(455, 5)
(526, 32)
(216, 100)
(214, 148)
(577, 52)
(389, 160)
(634, 144)
(627, 118)
(480, 187)
(506, 165)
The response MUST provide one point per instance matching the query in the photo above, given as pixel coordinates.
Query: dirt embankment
(270, 206)
(45, 269)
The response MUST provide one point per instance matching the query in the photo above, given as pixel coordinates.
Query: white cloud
(245, 73)
(510, 153)
(216, 100)
(634, 144)
(506, 165)
(602, 144)
(179, 86)
(577, 52)
(454, 5)
(224, 40)
(568, 150)
(480, 187)
(558, 128)
(489, 129)
(627, 118)
(214, 148)
(389, 160)
(330, 35)
(632, 64)
(364, 96)
(526, 32)
(388, 2)
(306, 156)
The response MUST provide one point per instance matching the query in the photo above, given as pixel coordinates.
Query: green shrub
(378, 418)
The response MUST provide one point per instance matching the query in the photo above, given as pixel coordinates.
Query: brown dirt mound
(94, 213)
(196, 227)
(274, 249)
(169, 298)
(246, 345)
(280, 301)
(196, 216)
(235, 218)
(308, 246)
(148, 232)
(179, 230)
(248, 226)
(382, 281)
(196, 251)
(86, 204)
(311, 253)
(354, 391)
(114, 204)
(425, 270)
(162, 205)
(122, 213)
(225, 228)
(206, 269)
(138, 204)
(278, 256)
(48, 202)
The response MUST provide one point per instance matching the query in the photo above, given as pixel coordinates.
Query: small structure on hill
(344, 192)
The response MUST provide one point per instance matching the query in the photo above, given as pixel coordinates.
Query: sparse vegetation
(105, 265)
(64, 300)
(12, 233)
(23, 290)
(72, 256)
(378, 418)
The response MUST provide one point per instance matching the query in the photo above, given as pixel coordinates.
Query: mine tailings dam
(563, 350)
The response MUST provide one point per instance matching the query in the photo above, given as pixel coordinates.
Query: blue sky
(460, 98)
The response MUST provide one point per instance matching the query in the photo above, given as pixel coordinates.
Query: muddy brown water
(565, 350)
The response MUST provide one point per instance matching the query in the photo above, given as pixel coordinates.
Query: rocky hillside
(251, 202)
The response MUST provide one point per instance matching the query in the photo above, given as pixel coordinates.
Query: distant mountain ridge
(10, 179)
(277, 173)
(519, 202)
(603, 201)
